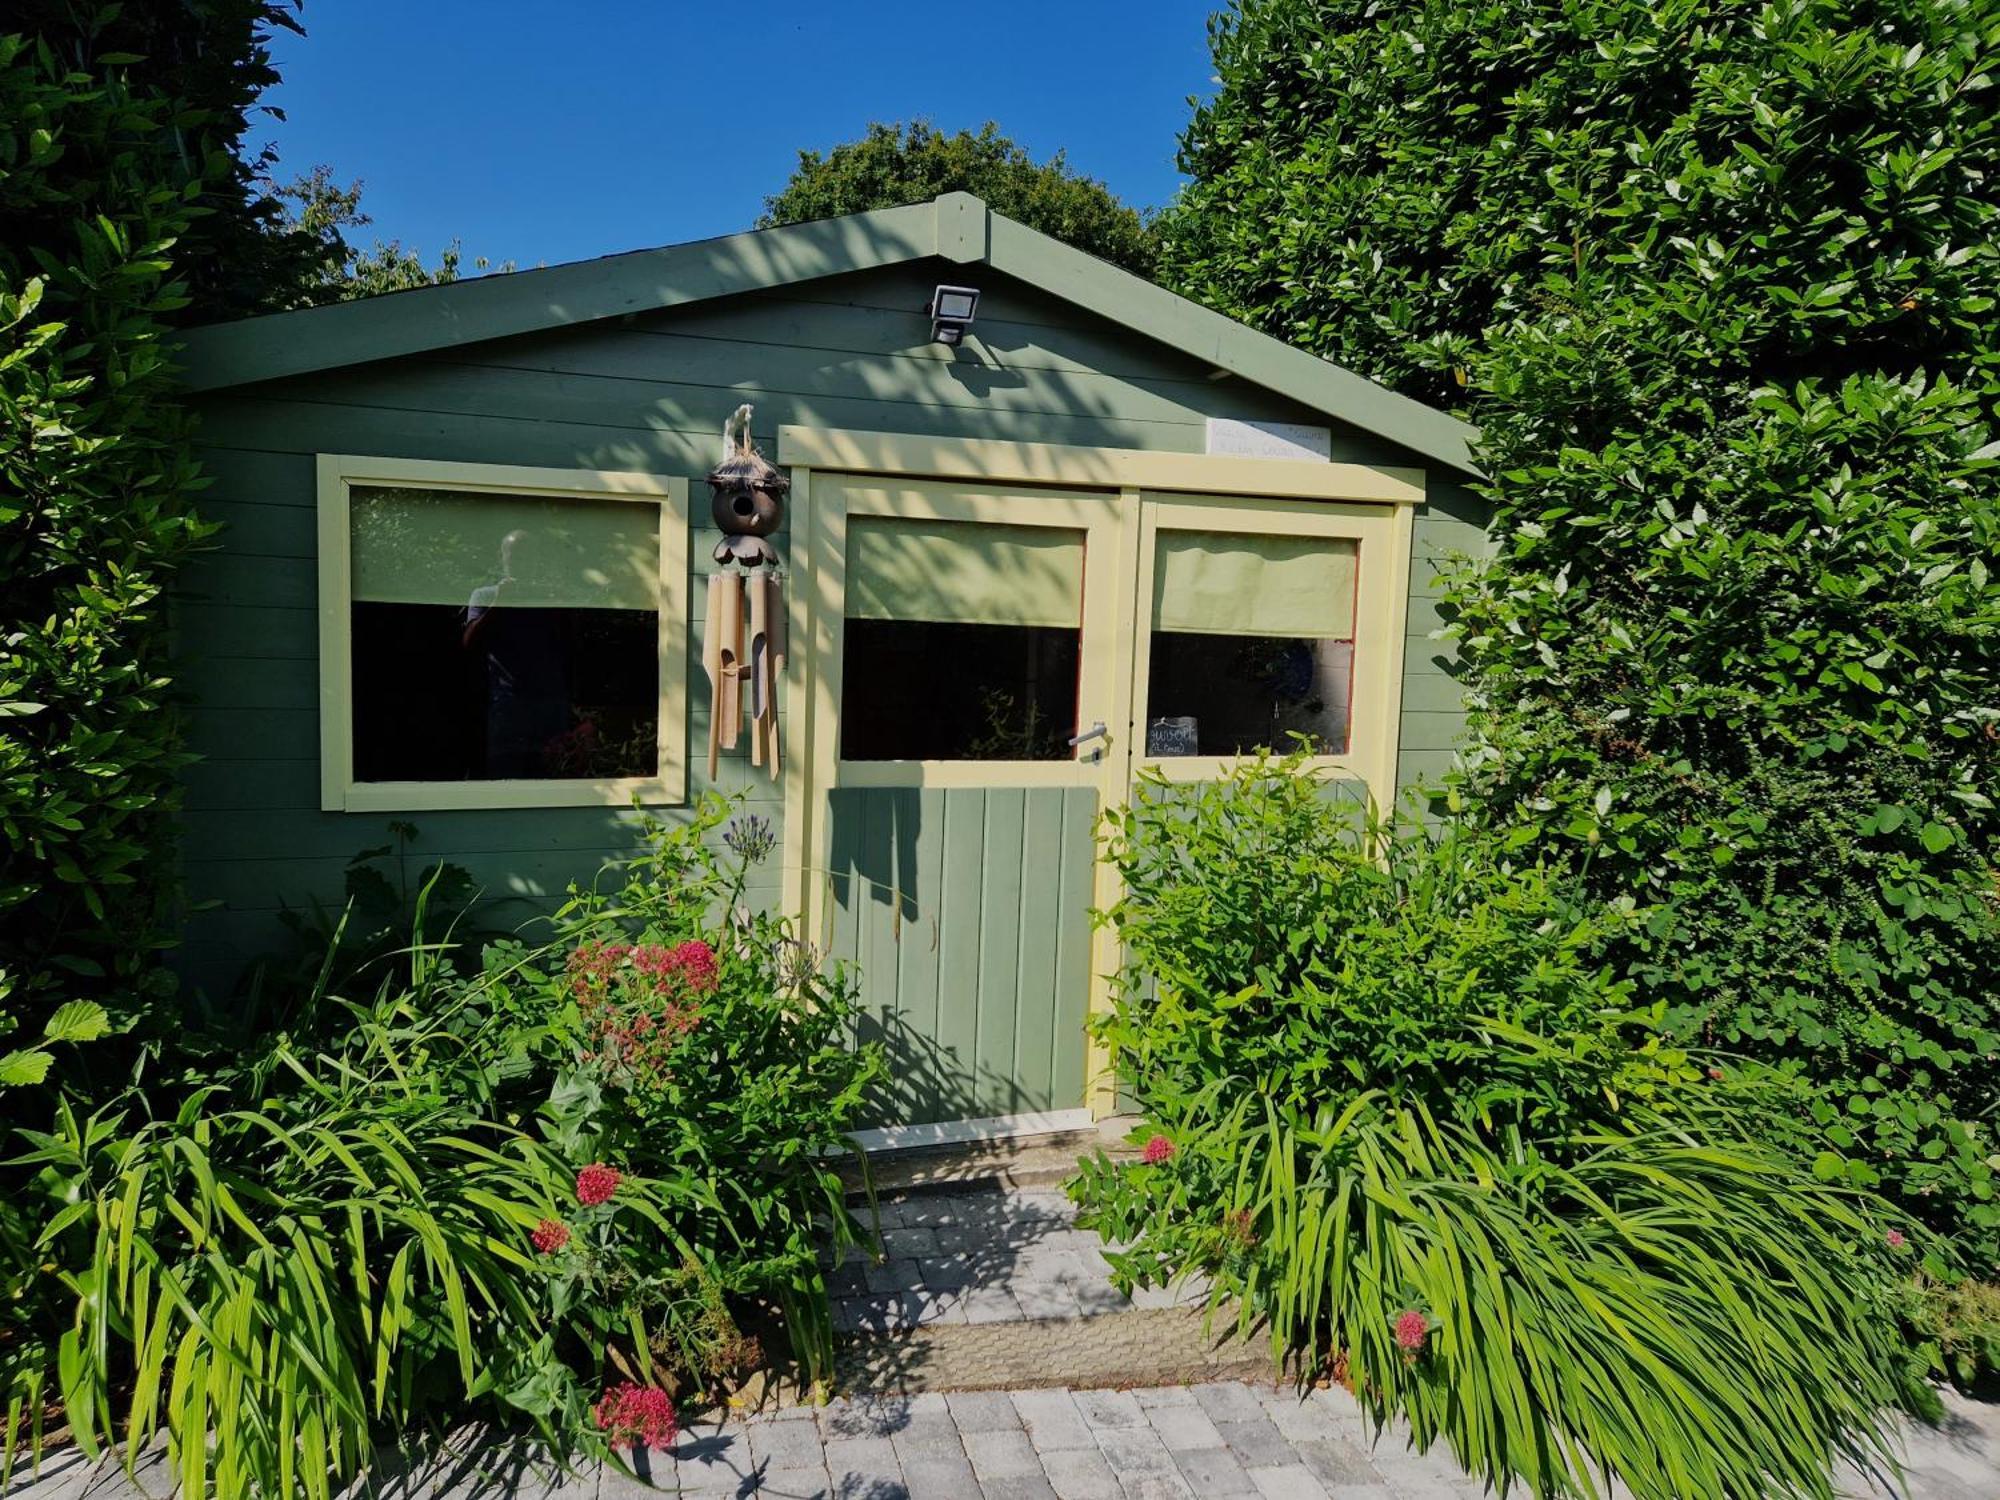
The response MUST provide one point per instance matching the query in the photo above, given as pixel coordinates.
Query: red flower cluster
(1157, 1150)
(550, 1236)
(689, 967)
(595, 1184)
(641, 999)
(1412, 1327)
(642, 1414)
(1896, 1239)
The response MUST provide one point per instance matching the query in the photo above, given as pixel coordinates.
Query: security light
(951, 310)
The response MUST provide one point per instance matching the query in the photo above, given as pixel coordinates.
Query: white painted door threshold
(966, 1132)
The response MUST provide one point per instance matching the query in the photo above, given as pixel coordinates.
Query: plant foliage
(1407, 1119)
(549, 1191)
(1718, 281)
(896, 164)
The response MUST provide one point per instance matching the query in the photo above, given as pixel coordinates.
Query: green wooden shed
(1094, 529)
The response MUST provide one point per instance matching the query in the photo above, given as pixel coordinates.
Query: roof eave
(955, 226)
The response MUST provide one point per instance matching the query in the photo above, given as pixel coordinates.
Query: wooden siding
(965, 912)
(644, 392)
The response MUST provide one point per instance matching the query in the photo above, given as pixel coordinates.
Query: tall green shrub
(126, 204)
(1397, 1114)
(1719, 283)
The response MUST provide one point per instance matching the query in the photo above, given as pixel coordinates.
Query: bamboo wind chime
(743, 652)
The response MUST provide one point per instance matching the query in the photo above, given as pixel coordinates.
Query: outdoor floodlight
(951, 312)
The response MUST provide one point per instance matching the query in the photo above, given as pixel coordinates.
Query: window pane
(962, 641)
(934, 690)
(1252, 644)
(503, 637)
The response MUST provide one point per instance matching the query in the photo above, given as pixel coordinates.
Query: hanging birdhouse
(743, 651)
(748, 497)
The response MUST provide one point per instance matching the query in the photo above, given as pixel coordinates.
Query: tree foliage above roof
(897, 164)
(1719, 283)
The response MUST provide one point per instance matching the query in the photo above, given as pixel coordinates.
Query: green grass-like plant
(1396, 1114)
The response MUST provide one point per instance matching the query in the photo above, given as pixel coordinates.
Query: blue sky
(539, 133)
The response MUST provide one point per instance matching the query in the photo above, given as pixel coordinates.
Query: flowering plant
(709, 1048)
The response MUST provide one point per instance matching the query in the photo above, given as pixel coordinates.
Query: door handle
(1096, 731)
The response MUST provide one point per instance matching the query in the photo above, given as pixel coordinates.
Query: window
(963, 641)
(489, 646)
(1252, 644)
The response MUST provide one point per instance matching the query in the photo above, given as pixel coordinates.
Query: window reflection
(521, 658)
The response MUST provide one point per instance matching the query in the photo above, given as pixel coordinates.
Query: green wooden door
(966, 913)
(970, 645)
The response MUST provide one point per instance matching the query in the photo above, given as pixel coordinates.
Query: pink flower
(1411, 1329)
(550, 1236)
(595, 1184)
(1895, 1239)
(1157, 1150)
(695, 961)
(628, 1413)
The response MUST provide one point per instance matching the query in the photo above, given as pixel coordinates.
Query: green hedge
(1719, 283)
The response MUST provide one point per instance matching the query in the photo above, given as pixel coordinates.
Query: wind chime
(743, 652)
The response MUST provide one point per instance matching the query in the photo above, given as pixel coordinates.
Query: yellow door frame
(1121, 499)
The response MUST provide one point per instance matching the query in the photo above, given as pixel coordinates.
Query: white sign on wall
(1293, 440)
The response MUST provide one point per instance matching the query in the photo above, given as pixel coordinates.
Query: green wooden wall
(647, 393)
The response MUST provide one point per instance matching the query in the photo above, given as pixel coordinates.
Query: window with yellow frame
(497, 636)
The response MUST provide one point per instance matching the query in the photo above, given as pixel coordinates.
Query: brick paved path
(1218, 1440)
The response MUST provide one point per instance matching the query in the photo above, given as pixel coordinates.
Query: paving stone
(1214, 1471)
(938, 1478)
(1110, 1409)
(787, 1484)
(864, 1416)
(991, 1304)
(983, 1411)
(863, 1456)
(1298, 1419)
(1259, 1444)
(1157, 1487)
(1053, 1422)
(785, 1445)
(1230, 1401)
(1184, 1428)
(893, 1275)
(1001, 1455)
(1028, 1487)
(1039, 1299)
(1334, 1462)
(1286, 1482)
(1133, 1451)
(1081, 1474)
(944, 1273)
(928, 1435)
(900, 1243)
(1170, 1397)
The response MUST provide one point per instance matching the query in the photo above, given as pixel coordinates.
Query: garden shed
(1036, 540)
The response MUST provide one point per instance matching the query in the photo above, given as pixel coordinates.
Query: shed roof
(955, 226)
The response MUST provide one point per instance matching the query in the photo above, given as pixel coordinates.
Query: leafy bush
(1402, 1114)
(545, 1191)
(1718, 283)
(716, 1051)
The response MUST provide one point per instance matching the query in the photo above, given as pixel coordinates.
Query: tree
(323, 211)
(897, 164)
(1718, 281)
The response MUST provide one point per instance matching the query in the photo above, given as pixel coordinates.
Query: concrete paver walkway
(984, 1257)
(1223, 1440)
